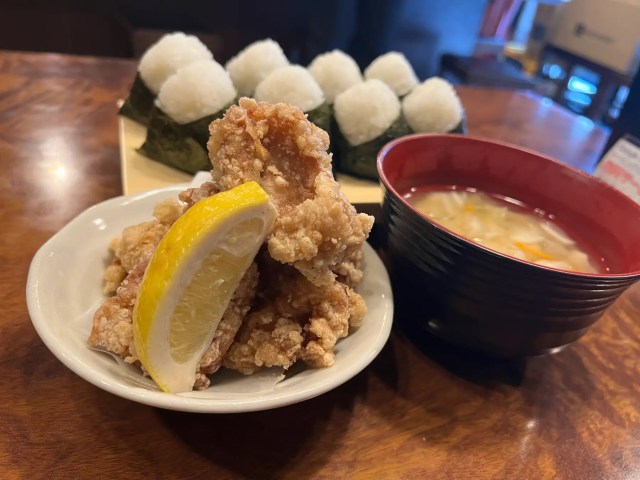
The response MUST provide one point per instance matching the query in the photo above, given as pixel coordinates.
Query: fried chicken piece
(302, 311)
(138, 242)
(231, 321)
(192, 195)
(350, 270)
(113, 322)
(275, 145)
(294, 320)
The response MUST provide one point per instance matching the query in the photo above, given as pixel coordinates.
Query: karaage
(304, 300)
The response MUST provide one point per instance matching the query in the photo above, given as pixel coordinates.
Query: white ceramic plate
(140, 173)
(64, 289)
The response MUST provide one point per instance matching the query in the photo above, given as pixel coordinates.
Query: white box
(620, 168)
(606, 32)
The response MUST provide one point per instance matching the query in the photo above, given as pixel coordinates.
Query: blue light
(555, 72)
(579, 98)
(621, 95)
(580, 85)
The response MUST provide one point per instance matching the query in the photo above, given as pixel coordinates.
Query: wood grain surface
(421, 410)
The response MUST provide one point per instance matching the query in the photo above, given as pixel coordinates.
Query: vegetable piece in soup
(503, 226)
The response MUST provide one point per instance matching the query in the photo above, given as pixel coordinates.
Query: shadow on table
(264, 444)
(470, 365)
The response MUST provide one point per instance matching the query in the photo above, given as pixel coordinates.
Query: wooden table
(419, 411)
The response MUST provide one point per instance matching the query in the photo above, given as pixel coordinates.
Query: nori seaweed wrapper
(139, 103)
(324, 118)
(334, 136)
(462, 126)
(321, 116)
(180, 146)
(361, 159)
(199, 129)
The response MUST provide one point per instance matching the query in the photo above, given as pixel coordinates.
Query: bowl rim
(591, 178)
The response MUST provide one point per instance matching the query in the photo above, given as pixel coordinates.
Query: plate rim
(176, 401)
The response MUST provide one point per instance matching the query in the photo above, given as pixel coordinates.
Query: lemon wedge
(191, 279)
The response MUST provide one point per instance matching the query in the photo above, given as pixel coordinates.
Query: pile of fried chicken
(297, 299)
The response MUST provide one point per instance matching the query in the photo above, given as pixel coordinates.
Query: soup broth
(504, 225)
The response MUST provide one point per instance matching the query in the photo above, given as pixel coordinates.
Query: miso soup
(504, 225)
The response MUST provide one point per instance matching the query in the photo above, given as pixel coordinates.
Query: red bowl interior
(601, 217)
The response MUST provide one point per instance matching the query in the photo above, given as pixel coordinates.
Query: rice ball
(432, 107)
(366, 110)
(335, 71)
(196, 91)
(171, 52)
(293, 85)
(252, 65)
(395, 70)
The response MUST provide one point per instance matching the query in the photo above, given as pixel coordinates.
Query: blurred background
(581, 54)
